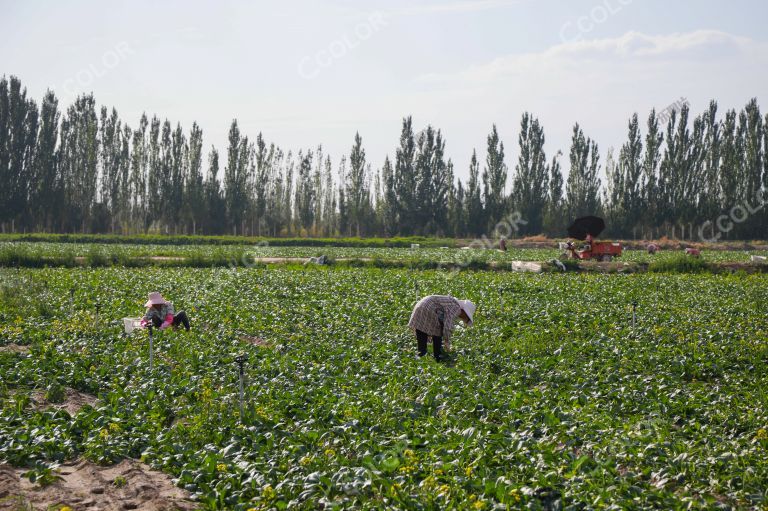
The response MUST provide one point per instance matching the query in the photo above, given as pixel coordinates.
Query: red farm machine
(586, 229)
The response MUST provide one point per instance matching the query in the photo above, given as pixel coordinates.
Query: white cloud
(631, 49)
(599, 83)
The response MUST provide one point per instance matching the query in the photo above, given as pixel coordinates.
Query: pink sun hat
(155, 298)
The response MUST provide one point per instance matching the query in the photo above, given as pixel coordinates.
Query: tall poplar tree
(357, 191)
(531, 180)
(582, 188)
(405, 178)
(494, 180)
(45, 191)
(474, 203)
(194, 186)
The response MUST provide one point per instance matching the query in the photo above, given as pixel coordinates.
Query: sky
(305, 72)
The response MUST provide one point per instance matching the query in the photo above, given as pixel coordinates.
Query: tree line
(84, 169)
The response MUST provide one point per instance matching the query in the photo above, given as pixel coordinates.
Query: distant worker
(652, 248)
(503, 244)
(434, 316)
(160, 313)
(588, 246)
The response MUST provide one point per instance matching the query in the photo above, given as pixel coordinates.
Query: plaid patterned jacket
(436, 315)
(165, 310)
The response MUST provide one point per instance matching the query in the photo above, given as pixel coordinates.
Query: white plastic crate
(131, 324)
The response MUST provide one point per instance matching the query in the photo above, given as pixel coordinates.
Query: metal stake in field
(240, 360)
(151, 348)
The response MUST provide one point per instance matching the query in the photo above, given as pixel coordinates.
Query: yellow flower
(305, 460)
(429, 483)
(407, 469)
(480, 504)
(221, 467)
(104, 433)
(65, 508)
(438, 471)
(330, 453)
(444, 489)
(409, 453)
(515, 494)
(268, 492)
(114, 427)
(762, 434)
(468, 471)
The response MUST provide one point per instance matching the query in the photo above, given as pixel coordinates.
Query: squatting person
(160, 313)
(434, 316)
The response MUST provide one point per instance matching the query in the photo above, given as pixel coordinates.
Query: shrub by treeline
(681, 264)
(86, 170)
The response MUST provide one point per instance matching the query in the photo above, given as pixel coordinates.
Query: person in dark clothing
(160, 314)
(434, 316)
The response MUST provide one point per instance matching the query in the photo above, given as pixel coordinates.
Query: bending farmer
(160, 313)
(434, 316)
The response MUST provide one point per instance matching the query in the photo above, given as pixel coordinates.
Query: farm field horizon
(552, 400)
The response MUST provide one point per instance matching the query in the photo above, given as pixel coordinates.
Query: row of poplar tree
(85, 170)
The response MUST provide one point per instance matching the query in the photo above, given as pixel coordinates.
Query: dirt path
(127, 485)
(266, 260)
(82, 259)
(279, 260)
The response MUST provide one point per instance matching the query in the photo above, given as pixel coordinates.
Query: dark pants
(179, 318)
(437, 344)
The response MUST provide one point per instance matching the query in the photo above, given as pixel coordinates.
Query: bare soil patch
(84, 485)
(256, 341)
(14, 348)
(74, 400)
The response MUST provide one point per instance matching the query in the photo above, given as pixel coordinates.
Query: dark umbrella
(586, 225)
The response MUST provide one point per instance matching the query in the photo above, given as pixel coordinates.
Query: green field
(551, 400)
